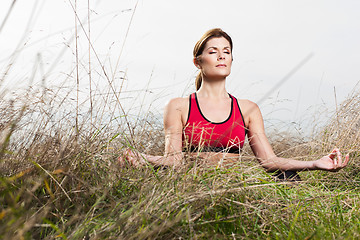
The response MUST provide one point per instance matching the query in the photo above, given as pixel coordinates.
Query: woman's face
(216, 59)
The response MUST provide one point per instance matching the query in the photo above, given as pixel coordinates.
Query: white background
(152, 42)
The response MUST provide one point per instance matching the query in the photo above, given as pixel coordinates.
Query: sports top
(200, 134)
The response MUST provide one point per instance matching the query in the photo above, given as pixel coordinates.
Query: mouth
(221, 65)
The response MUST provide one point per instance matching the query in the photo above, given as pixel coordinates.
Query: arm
(267, 158)
(175, 115)
(173, 125)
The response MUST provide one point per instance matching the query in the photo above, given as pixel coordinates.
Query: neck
(213, 89)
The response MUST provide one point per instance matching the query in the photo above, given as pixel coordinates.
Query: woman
(213, 124)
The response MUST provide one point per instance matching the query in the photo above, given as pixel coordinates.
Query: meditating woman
(212, 124)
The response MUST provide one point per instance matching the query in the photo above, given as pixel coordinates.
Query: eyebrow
(216, 48)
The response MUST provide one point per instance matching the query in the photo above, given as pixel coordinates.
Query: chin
(223, 75)
(219, 75)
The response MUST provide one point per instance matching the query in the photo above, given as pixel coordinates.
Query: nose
(221, 56)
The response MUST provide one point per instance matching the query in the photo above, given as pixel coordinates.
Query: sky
(149, 43)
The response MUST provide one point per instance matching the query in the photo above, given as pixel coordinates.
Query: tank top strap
(194, 111)
(235, 105)
(237, 111)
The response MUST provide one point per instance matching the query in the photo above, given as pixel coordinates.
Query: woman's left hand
(332, 162)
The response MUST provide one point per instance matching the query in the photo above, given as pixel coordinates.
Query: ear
(197, 63)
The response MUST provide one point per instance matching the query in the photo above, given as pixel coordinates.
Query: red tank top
(200, 134)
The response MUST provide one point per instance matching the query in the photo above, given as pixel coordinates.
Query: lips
(221, 65)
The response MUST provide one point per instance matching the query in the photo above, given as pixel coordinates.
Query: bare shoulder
(248, 107)
(253, 117)
(177, 107)
(249, 110)
(180, 103)
(245, 103)
(177, 102)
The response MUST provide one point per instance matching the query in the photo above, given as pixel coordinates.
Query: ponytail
(198, 81)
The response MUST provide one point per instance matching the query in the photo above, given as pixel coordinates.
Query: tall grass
(60, 179)
(57, 182)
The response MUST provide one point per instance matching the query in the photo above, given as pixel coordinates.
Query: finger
(333, 153)
(121, 161)
(135, 158)
(132, 161)
(133, 154)
(347, 157)
(123, 158)
(339, 159)
(132, 158)
(128, 157)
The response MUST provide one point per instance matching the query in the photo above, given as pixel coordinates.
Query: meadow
(60, 177)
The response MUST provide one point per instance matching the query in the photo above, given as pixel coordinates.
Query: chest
(215, 110)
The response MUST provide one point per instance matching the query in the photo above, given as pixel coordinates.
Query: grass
(57, 183)
(60, 179)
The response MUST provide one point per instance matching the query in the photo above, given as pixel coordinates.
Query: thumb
(333, 153)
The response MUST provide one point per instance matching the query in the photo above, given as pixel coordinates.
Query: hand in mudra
(131, 157)
(332, 162)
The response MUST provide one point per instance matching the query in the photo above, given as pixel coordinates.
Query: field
(60, 177)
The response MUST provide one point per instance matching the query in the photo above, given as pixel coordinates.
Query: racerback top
(200, 134)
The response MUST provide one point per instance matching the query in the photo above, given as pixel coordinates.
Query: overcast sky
(152, 41)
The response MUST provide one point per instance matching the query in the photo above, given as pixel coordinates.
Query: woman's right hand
(132, 158)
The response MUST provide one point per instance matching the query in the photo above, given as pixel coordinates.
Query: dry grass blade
(52, 177)
(7, 15)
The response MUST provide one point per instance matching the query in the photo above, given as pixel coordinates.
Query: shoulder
(249, 109)
(247, 106)
(177, 109)
(247, 103)
(177, 103)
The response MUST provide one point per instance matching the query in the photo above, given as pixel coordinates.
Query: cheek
(206, 62)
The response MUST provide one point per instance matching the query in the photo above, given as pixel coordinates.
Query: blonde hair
(200, 45)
